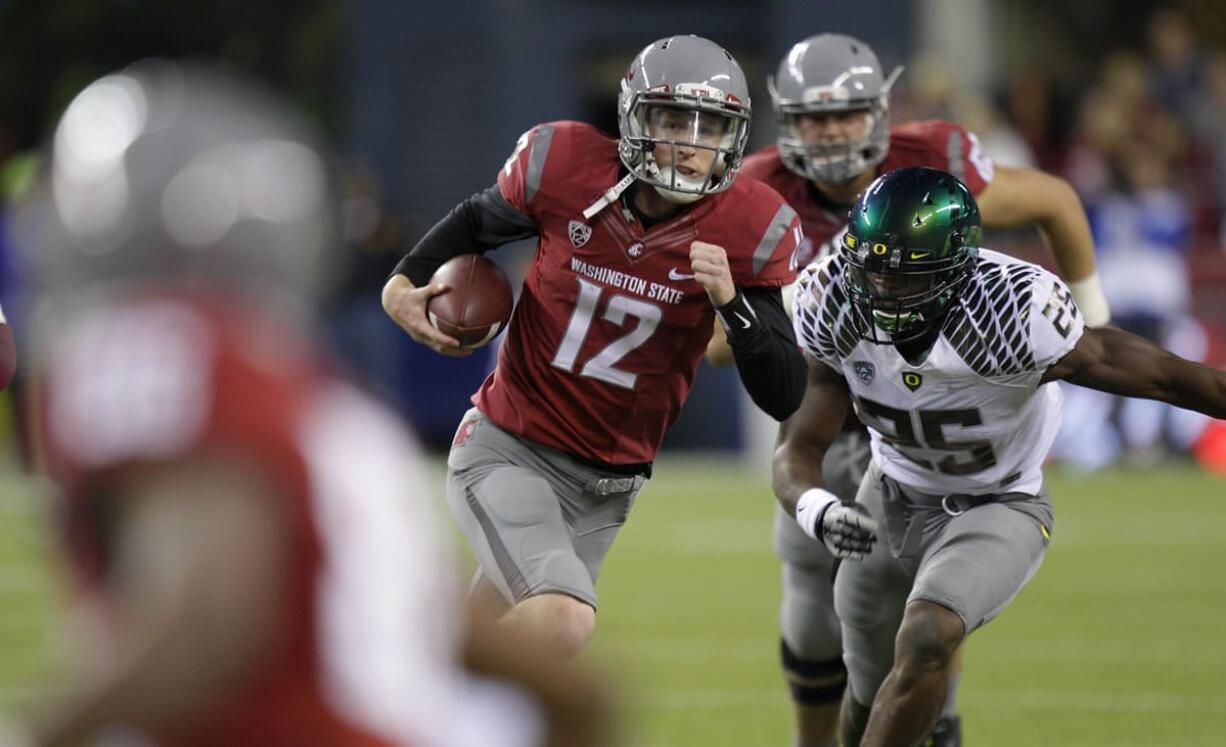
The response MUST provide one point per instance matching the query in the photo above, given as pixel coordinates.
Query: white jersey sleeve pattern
(828, 325)
(1012, 318)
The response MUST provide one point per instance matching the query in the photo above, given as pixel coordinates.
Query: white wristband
(1088, 294)
(810, 505)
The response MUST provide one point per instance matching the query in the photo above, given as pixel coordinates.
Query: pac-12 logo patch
(912, 380)
(465, 432)
(579, 233)
(864, 371)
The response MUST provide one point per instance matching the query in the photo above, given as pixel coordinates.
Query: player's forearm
(1067, 234)
(774, 376)
(1198, 387)
(794, 470)
(719, 353)
(1125, 364)
(1066, 231)
(480, 223)
(771, 367)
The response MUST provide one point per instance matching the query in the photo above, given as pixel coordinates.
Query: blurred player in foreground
(643, 240)
(8, 353)
(947, 352)
(831, 99)
(254, 539)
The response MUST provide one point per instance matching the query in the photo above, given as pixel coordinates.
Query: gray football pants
(537, 519)
(974, 564)
(806, 617)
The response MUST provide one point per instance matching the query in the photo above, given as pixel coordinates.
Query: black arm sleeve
(770, 363)
(480, 223)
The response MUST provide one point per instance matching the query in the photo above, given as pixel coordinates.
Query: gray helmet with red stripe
(701, 79)
(825, 74)
(169, 172)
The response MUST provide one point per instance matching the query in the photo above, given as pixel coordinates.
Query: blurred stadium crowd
(1144, 144)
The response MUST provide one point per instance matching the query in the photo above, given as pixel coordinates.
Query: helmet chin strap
(666, 174)
(609, 197)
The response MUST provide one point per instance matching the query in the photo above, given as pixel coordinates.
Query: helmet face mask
(831, 160)
(911, 247)
(905, 304)
(829, 75)
(683, 116)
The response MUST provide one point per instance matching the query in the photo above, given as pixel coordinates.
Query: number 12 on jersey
(602, 365)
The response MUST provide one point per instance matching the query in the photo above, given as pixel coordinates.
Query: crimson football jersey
(8, 353)
(364, 638)
(933, 143)
(611, 324)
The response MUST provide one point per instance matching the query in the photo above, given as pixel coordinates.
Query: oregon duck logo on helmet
(912, 244)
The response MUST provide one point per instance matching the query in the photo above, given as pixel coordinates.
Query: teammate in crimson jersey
(831, 101)
(253, 536)
(8, 353)
(643, 240)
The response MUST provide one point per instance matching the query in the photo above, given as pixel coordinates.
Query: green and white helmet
(825, 74)
(700, 79)
(911, 246)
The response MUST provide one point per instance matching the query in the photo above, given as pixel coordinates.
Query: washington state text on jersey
(624, 281)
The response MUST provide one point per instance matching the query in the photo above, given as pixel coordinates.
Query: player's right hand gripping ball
(847, 530)
(478, 303)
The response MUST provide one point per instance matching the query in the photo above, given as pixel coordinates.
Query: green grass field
(1120, 639)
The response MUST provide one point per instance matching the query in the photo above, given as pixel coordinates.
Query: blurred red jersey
(933, 143)
(8, 353)
(364, 639)
(611, 324)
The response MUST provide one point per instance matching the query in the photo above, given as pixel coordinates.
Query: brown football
(479, 301)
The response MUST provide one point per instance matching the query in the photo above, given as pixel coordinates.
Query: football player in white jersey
(947, 352)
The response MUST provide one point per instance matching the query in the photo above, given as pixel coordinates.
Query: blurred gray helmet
(683, 93)
(177, 174)
(822, 75)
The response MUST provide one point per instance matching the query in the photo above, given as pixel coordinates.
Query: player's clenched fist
(710, 265)
(406, 306)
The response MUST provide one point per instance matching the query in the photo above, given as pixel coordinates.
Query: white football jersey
(972, 417)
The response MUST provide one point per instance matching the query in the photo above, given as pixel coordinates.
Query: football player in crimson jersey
(8, 353)
(643, 241)
(948, 353)
(251, 534)
(830, 96)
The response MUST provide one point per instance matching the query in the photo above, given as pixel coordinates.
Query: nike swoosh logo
(674, 275)
(920, 255)
(745, 323)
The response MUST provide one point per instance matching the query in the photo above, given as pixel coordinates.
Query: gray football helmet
(183, 175)
(825, 74)
(683, 92)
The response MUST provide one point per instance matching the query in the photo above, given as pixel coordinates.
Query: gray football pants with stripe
(537, 519)
(973, 563)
